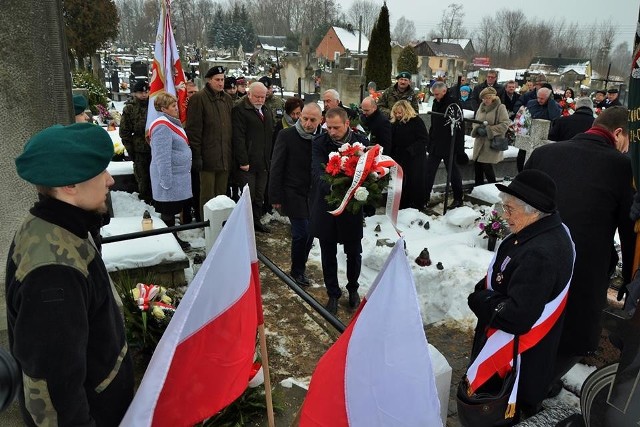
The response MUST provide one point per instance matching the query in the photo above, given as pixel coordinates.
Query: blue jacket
(550, 111)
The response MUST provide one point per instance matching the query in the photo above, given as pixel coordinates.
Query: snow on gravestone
(538, 136)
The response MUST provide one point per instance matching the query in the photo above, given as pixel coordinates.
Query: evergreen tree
(408, 60)
(378, 68)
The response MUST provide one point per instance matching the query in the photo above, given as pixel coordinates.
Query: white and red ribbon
(178, 130)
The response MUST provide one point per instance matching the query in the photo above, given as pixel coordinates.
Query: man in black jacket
(65, 327)
(491, 81)
(376, 124)
(565, 128)
(252, 139)
(345, 228)
(440, 144)
(593, 177)
(290, 183)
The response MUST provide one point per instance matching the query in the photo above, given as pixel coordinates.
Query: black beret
(265, 80)
(404, 75)
(79, 104)
(213, 71)
(533, 187)
(65, 155)
(141, 86)
(612, 90)
(229, 82)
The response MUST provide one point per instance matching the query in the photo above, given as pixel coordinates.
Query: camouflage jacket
(392, 95)
(66, 330)
(276, 105)
(132, 126)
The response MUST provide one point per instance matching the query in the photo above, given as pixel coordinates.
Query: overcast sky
(426, 15)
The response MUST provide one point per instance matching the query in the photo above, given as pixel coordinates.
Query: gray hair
(334, 94)
(438, 85)
(584, 102)
(255, 85)
(545, 91)
(506, 197)
(313, 106)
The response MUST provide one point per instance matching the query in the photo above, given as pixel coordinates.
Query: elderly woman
(529, 273)
(409, 139)
(170, 161)
(495, 114)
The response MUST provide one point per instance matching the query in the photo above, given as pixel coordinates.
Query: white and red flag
(379, 372)
(166, 72)
(205, 357)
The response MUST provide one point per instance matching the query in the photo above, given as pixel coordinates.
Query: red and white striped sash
(178, 130)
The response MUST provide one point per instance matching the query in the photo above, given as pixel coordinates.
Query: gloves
(480, 303)
(196, 164)
(481, 131)
(634, 212)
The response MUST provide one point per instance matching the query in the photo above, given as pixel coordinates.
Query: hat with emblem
(404, 75)
(213, 71)
(229, 82)
(141, 86)
(265, 80)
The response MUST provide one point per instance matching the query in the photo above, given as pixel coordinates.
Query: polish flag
(378, 373)
(205, 357)
(166, 72)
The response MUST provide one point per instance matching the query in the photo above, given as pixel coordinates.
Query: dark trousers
(433, 161)
(141, 166)
(328, 255)
(301, 242)
(522, 155)
(256, 178)
(484, 169)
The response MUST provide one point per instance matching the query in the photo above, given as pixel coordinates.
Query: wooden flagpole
(265, 370)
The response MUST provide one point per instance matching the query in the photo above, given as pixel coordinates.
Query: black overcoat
(565, 128)
(344, 227)
(380, 128)
(530, 269)
(409, 142)
(252, 135)
(440, 132)
(594, 198)
(290, 174)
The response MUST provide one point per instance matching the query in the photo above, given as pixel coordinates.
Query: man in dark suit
(290, 183)
(565, 128)
(593, 178)
(612, 98)
(376, 124)
(331, 230)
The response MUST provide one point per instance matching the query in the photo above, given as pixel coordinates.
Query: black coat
(475, 94)
(510, 103)
(290, 174)
(410, 141)
(440, 133)
(594, 197)
(565, 128)
(323, 225)
(530, 269)
(380, 128)
(252, 135)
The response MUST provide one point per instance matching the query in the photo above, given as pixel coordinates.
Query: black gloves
(635, 207)
(480, 303)
(481, 131)
(196, 164)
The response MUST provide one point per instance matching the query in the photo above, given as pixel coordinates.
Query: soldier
(65, 327)
(401, 90)
(241, 87)
(132, 132)
(274, 103)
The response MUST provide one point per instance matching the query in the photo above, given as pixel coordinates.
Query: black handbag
(489, 405)
(499, 143)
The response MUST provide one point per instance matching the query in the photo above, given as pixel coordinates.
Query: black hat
(601, 91)
(265, 81)
(612, 90)
(141, 86)
(404, 75)
(213, 71)
(229, 82)
(533, 187)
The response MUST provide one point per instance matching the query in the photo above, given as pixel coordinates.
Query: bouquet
(148, 310)
(522, 123)
(358, 175)
(568, 106)
(494, 226)
(103, 113)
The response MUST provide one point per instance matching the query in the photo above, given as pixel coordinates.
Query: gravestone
(140, 69)
(538, 136)
(33, 39)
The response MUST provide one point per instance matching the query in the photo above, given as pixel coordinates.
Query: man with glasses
(491, 81)
(132, 133)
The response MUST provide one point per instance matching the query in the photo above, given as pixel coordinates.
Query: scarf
(464, 98)
(287, 121)
(303, 133)
(598, 131)
(346, 139)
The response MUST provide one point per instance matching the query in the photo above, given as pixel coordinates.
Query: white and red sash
(178, 130)
(496, 355)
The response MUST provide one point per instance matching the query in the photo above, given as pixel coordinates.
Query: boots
(457, 203)
(354, 299)
(332, 305)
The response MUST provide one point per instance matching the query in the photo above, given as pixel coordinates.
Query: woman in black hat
(524, 291)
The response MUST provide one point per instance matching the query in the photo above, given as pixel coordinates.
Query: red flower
(333, 165)
(350, 165)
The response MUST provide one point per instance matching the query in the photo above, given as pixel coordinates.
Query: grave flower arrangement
(568, 106)
(522, 122)
(493, 226)
(358, 175)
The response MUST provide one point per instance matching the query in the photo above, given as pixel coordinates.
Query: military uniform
(132, 132)
(66, 329)
(392, 95)
(276, 105)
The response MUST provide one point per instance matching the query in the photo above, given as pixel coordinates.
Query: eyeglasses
(509, 210)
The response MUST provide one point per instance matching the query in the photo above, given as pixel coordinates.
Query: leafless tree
(404, 31)
(451, 23)
(511, 25)
(368, 10)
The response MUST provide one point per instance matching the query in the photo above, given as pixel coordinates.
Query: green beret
(65, 155)
(404, 75)
(79, 104)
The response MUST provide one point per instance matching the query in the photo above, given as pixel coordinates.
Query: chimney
(438, 40)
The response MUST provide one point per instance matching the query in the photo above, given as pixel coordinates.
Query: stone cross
(538, 136)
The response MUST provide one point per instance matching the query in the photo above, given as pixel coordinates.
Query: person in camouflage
(65, 324)
(132, 133)
(399, 91)
(274, 103)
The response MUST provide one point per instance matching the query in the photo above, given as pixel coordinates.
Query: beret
(79, 104)
(213, 71)
(229, 82)
(265, 80)
(65, 155)
(141, 86)
(404, 75)
(241, 81)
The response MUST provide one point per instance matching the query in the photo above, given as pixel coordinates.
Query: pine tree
(408, 60)
(378, 68)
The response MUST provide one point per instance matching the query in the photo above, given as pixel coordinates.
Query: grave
(157, 256)
(537, 137)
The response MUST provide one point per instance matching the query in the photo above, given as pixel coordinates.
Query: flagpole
(633, 100)
(267, 376)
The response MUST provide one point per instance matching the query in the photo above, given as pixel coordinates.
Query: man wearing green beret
(79, 108)
(66, 329)
(399, 91)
